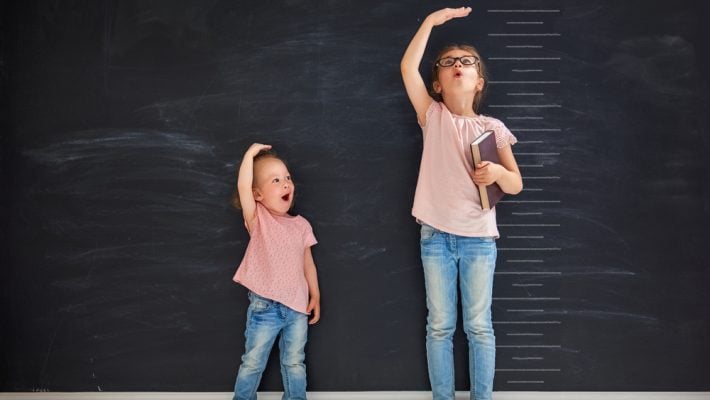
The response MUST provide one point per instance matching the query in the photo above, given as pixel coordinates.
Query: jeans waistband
(429, 227)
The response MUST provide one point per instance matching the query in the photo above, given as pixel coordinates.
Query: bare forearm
(415, 51)
(246, 174)
(245, 181)
(510, 181)
(312, 279)
(313, 290)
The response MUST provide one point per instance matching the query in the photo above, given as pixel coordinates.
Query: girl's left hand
(486, 173)
(446, 14)
(313, 310)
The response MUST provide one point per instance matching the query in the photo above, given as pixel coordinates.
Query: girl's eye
(288, 178)
(276, 180)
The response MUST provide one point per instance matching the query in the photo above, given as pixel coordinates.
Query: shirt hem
(271, 298)
(495, 235)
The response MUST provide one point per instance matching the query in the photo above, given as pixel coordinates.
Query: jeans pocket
(426, 232)
(258, 303)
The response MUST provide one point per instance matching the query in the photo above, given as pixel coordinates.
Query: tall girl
(457, 243)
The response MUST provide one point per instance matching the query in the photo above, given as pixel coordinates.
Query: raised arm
(413, 82)
(245, 183)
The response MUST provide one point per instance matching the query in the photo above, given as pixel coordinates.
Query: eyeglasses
(450, 61)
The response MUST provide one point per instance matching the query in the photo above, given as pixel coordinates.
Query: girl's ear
(437, 87)
(257, 194)
(480, 84)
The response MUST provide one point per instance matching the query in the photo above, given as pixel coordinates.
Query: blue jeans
(449, 261)
(266, 319)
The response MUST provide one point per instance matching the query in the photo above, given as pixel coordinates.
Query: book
(484, 149)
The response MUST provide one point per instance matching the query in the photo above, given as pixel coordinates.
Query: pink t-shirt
(275, 258)
(446, 198)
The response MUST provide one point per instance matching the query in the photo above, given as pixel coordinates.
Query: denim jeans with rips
(267, 320)
(452, 261)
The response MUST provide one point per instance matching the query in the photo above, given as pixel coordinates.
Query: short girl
(278, 270)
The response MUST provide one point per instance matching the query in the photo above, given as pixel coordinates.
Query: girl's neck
(274, 212)
(460, 105)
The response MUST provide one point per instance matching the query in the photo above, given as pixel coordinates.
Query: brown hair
(481, 71)
(262, 155)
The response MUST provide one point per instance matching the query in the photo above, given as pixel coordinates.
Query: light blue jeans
(452, 261)
(266, 319)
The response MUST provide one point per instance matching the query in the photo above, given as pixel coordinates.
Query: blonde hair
(478, 98)
(264, 154)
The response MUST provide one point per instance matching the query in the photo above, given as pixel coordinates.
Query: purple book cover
(484, 149)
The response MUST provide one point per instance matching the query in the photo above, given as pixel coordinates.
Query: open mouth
(458, 74)
(286, 197)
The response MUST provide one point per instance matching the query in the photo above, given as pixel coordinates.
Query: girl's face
(273, 186)
(458, 79)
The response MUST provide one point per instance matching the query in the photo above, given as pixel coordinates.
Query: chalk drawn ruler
(527, 315)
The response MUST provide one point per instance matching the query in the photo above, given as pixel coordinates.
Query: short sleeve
(504, 136)
(433, 111)
(309, 239)
(258, 219)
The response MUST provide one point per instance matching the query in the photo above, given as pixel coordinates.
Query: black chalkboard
(124, 121)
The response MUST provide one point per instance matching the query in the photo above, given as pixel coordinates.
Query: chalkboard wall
(124, 122)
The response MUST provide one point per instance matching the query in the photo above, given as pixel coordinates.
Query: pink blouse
(273, 265)
(446, 198)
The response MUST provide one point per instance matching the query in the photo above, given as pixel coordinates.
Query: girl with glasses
(457, 242)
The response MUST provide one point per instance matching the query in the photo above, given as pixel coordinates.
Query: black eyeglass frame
(476, 60)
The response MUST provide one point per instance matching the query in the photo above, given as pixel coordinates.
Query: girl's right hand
(255, 148)
(445, 14)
